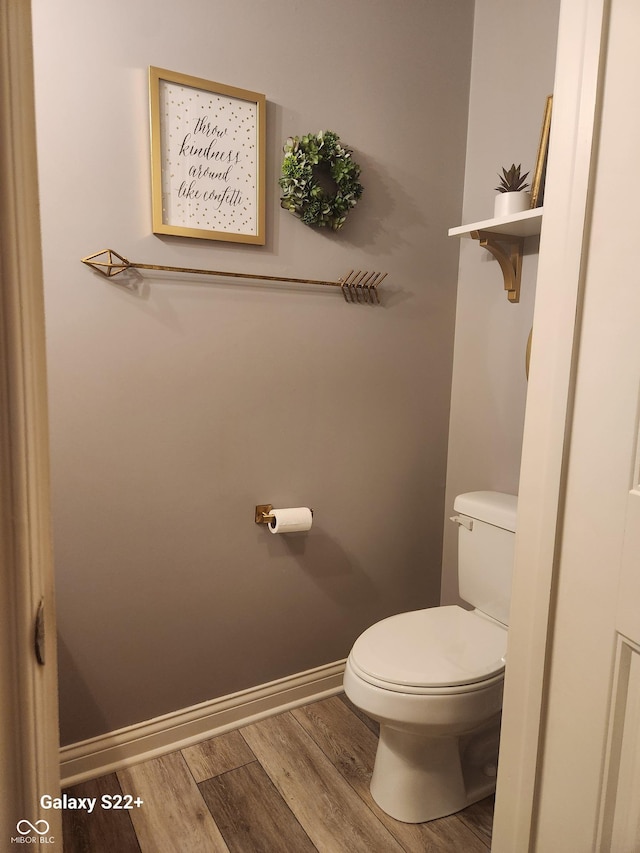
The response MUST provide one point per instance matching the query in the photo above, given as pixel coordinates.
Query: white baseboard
(142, 741)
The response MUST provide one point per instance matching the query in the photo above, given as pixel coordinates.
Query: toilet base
(437, 752)
(416, 779)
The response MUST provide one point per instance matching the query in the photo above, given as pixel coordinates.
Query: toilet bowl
(433, 679)
(439, 712)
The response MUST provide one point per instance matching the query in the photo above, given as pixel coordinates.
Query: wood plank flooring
(292, 783)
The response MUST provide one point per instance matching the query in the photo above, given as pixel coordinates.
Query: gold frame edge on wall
(539, 174)
(160, 225)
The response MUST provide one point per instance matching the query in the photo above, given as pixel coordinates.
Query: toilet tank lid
(492, 507)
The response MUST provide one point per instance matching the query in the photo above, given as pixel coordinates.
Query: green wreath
(303, 195)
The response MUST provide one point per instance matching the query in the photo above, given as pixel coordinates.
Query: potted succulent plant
(512, 192)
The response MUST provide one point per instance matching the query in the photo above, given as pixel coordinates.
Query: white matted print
(207, 159)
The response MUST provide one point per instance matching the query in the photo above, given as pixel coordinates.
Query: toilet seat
(438, 650)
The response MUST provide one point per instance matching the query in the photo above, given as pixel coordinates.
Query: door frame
(29, 739)
(556, 324)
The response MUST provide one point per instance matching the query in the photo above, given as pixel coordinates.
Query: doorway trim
(581, 36)
(29, 720)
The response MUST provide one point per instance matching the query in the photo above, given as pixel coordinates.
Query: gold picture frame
(540, 172)
(208, 144)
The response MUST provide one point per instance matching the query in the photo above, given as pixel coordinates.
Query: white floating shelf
(525, 224)
(504, 237)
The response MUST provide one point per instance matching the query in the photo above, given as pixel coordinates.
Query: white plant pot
(508, 203)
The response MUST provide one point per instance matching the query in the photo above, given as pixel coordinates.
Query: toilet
(433, 678)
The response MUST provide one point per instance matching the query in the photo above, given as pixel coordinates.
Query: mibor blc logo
(32, 833)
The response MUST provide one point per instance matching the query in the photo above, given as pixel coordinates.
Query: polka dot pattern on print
(209, 160)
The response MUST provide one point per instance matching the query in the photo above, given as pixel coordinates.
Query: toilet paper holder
(264, 514)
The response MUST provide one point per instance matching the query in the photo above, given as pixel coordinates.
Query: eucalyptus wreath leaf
(303, 194)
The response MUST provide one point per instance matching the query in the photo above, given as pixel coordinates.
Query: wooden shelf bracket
(507, 249)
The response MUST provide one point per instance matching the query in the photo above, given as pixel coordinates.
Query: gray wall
(176, 407)
(513, 65)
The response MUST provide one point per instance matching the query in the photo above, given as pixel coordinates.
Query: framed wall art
(540, 173)
(207, 159)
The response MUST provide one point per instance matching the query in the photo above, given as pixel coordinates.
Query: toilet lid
(438, 647)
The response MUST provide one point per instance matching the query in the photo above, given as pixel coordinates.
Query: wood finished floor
(292, 783)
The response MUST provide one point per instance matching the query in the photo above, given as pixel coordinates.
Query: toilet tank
(486, 539)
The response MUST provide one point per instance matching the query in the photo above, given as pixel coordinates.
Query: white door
(589, 767)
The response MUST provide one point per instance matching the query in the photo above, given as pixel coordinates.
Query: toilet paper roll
(291, 520)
